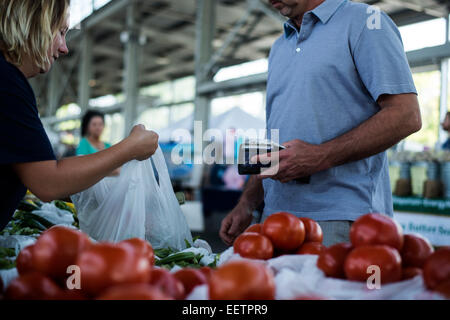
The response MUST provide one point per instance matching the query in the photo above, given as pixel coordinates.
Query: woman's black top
(22, 136)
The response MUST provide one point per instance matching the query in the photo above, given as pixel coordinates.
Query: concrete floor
(211, 232)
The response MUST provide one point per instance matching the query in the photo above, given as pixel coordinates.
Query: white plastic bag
(55, 215)
(134, 205)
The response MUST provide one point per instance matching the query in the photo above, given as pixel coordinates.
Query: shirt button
(298, 50)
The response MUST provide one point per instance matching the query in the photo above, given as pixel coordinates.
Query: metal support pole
(85, 72)
(130, 85)
(447, 28)
(205, 28)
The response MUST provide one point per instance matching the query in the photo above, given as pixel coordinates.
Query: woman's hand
(52, 179)
(143, 142)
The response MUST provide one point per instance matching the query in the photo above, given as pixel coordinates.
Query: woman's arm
(53, 179)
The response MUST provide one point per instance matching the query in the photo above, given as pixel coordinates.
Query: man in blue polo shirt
(340, 92)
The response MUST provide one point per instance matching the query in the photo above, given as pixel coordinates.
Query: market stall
(421, 184)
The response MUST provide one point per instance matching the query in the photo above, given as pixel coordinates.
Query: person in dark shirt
(32, 38)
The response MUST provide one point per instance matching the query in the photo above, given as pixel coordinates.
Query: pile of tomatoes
(281, 233)
(375, 240)
(64, 264)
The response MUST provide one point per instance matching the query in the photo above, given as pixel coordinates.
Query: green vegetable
(5, 258)
(180, 197)
(214, 263)
(6, 264)
(164, 252)
(28, 206)
(63, 206)
(44, 222)
(7, 252)
(180, 256)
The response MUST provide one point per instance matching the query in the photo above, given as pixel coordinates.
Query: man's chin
(286, 11)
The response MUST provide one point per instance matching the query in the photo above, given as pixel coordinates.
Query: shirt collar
(327, 9)
(324, 12)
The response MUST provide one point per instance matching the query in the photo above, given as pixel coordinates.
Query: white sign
(434, 228)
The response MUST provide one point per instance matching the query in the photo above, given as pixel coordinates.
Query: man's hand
(299, 159)
(235, 223)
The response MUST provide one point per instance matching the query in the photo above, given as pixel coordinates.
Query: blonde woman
(32, 38)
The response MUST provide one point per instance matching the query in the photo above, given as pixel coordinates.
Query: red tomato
(106, 264)
(444, 289)
(190, 278)
(386, 258)
(242, 280)
(313, 231)
(436, 269)
(331, 260)
(285, 230)
(253, 245)
(254, 228)
(311, 248)
(411, 272)
(142, 247)
(416, 250)
(56, 249)
(24, 262)
(133, 291)
(167, 283)
(207, 271)
(32, 286)
(375, 228)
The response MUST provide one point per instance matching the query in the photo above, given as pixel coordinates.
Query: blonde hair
(27, 28)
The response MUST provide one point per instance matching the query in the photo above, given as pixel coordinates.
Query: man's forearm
(253, 194)
(377, 134)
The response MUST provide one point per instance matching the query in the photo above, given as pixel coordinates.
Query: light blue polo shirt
(323, 82)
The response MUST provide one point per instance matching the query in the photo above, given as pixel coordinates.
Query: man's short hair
(27, 28)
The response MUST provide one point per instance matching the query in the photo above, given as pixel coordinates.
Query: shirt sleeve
(83, 148)
(22, 135)
(381, 61)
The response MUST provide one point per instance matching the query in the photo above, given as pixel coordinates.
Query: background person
(92, 126)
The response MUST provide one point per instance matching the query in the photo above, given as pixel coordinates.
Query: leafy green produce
(6, 264)
(7, 252)
(7, 258)
(28, 205)
(68, 207)
(64, 206)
